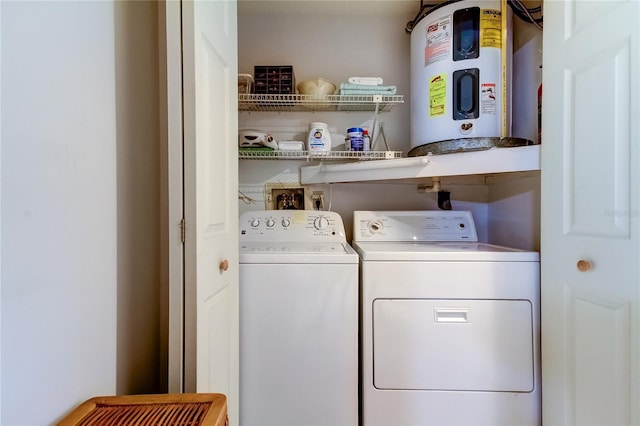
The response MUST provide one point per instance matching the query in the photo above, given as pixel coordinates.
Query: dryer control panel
(291, 226)
(416, 226)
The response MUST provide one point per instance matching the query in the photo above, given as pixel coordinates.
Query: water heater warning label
(490, 28)
(437, 95)
(438, 46)
(488, 96)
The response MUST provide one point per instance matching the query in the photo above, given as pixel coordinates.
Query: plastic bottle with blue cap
(319, 140)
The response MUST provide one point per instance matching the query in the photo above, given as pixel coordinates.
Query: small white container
(319, 140)
(291, 146)
(366, 140)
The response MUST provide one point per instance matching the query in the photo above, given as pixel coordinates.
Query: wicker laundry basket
(190, 409)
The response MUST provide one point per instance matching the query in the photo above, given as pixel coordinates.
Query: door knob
(224, 265)
(583, 265)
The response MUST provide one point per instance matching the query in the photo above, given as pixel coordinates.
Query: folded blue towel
(365, 89)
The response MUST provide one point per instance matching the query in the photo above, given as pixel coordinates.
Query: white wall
(514, 212)
(80, 205)
(59, 241)
(514, 203)
(0, 215)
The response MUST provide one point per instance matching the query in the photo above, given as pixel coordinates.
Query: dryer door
(453, 345)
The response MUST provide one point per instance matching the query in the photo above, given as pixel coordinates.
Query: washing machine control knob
(286, 222)
(270, 223)
(321, 223)
(375, 226)
(255, 222)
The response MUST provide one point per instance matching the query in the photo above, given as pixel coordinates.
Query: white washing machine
(298, 320)
(450, 326)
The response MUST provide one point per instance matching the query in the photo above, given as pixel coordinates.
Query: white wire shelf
(277, 103)
(312, 156)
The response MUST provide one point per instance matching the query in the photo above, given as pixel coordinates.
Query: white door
(211, 211)
(590, 213)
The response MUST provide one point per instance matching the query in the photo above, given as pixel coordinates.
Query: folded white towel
(370, 81)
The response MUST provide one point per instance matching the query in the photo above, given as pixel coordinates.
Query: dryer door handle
(449, 315)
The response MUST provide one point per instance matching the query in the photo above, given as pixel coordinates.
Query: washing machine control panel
(421, 225)
(292, 226)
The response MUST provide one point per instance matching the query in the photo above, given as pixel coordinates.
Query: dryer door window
(453, 345)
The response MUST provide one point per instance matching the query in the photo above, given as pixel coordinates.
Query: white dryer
(298, 320)
(450, 326)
